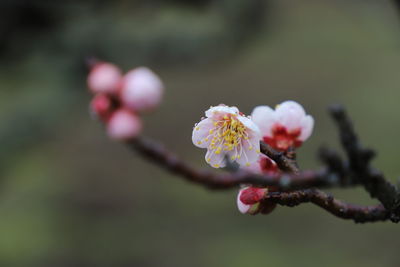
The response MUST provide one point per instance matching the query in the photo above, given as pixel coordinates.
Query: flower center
(227, 136)
(283, 139)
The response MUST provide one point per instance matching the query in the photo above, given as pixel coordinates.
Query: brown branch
(359, 165)
(284, 163)
(159, 155)
(336, 166)
(283, 182)
(360, 214)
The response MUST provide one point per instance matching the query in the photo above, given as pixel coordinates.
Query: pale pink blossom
(104, 78)
(248, 199)
(286, 126)
(124, 125)
(227, 132)
(142, 90)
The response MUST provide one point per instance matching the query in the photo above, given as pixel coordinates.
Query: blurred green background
(71, 197)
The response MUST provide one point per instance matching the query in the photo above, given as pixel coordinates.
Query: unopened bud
(102, 107)
(104, 78)
(141, 90)
(124, 125)
(248, 199)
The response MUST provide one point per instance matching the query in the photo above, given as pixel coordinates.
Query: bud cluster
(120, 99)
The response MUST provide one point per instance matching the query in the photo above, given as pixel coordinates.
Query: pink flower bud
(102, 106)
(104, 78)
(142, 90)
(124, 125)
(248, 199)
(252, 195)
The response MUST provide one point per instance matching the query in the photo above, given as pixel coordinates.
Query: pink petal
(124, 125)
(142, 89)
(104, 78)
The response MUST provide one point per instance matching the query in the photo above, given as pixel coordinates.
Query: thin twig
(359, 214)
(284, 182)
(359, 164)
(158, 154)
(284, 163)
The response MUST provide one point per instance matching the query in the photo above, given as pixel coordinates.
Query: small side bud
(101, 106)
(104, 78)
(141, 90)
(124, 125)
(252, 195)
(248, 199)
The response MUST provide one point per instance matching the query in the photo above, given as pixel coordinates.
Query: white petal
(264, 117)
(292, 105)
(250, 152)
(290, 115)
(254, 167)
(307, 125)
(250, 125)
(221, 111)
(215, 160)
(243, 208)
(201, 131)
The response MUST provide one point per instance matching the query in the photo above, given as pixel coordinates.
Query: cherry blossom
(286, 126)
(227, 132)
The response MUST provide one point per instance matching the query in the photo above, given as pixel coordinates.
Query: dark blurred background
(71, 197)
